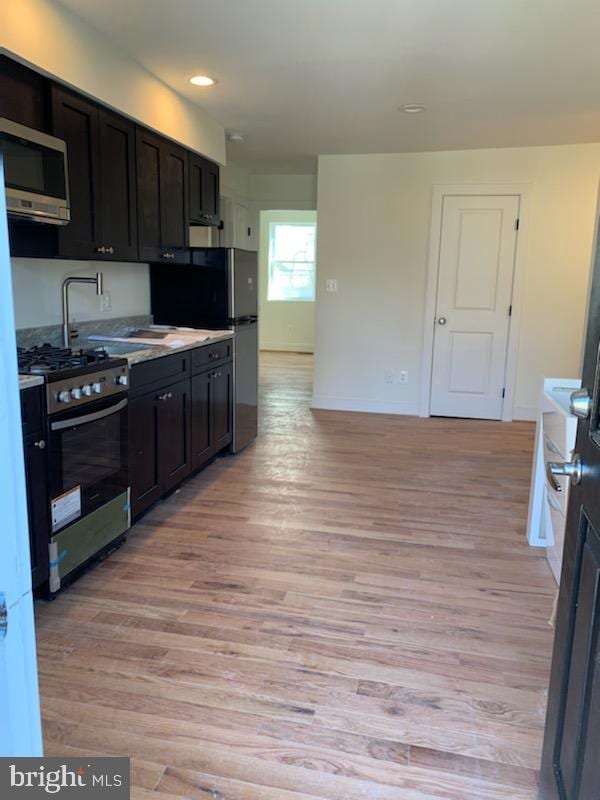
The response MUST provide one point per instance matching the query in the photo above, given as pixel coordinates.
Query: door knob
(581, 403)
(441, 320)
(572, 469)
(3, 616)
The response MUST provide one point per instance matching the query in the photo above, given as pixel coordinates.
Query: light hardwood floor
(346, 611)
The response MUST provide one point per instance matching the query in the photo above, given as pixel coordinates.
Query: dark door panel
(174, 187)
(174, 447)
(202, 440)
(222, 388)
(570, 765)
(143, 453)
(149, 199)
(118, 186)
(197, 185)
(36, 478)
(76, 121)
(211, 193)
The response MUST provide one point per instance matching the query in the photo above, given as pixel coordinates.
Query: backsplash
(52, 334)
(38, 297)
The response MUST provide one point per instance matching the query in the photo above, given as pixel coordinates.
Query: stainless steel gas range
(86, 400)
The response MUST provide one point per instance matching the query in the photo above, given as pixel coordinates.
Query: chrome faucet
(97, 281)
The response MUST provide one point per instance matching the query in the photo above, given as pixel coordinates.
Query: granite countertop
(27, 381)
(137, 354)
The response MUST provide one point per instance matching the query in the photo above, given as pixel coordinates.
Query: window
(292, 261)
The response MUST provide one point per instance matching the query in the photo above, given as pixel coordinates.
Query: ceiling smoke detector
(235, 137)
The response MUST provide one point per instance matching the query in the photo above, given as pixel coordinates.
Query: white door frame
(523, 190)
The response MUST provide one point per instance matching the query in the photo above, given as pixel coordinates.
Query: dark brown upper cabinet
(204, 191)
(101, 164)
(24, 95)
(162, 191)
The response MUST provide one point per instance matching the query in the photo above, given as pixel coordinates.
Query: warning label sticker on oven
(66, 507)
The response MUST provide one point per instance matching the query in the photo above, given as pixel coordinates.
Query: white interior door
(20, 730)
(475, 280)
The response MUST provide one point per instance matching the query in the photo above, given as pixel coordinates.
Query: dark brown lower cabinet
(159, 443)
(36, 481)
(222, 399)
(176, 428)
(212, 398)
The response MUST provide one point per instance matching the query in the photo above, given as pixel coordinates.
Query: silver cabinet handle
(101, 250)
(572, 469)
(41, 444)
(581, 403)
(110, 250)
(168, 255)
(3, 616)
(442, 320)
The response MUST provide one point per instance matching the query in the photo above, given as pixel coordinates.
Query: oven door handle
(71, 423)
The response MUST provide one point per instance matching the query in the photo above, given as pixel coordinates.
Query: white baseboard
(286, 347)
(528, 413)
(363, 405)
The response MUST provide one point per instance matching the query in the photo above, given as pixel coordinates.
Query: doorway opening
(287, 284)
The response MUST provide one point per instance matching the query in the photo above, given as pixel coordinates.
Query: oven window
(33, 168)
(91, 453)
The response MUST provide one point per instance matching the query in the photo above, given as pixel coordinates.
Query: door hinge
(503, 392)
(249, 231)
(517, 224)
(510, 310)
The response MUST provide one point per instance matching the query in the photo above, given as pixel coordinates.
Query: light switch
(331, 285)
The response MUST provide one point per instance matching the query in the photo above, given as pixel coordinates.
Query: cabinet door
(117, 184)
(174, 186)
(197, 181)
(149, 200)
(174, 446)
(222, 398)
(76, 121)
(36, 479)
(202, 442)
(143, 453)
(211, 193)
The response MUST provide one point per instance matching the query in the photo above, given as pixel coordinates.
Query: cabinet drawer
(151, 375)
(210, 354)
(32, 410)
(556, 434)
(557, 522)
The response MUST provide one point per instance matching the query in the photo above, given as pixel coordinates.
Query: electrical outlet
(388, 376)
(331, 285)
(105, 302)
(403, 376)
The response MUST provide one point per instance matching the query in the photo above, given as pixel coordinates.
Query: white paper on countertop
(172, 340)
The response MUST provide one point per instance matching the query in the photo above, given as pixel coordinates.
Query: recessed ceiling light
(202, 80)
(412, 108)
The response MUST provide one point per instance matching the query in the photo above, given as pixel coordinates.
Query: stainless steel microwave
(35, 174)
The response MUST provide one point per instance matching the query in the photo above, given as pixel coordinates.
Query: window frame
(312, 269)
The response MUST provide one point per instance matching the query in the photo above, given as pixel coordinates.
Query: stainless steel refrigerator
(218, 290)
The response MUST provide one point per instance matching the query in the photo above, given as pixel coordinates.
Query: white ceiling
(302, 77)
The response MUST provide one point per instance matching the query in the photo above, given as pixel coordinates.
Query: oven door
(88, 459)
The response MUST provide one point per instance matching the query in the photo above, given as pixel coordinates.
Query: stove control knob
(87, 390)
(97, 387)
(122, 380)
(76, 393)
(64, 396)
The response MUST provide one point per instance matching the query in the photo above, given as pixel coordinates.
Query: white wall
(48, 37)
(283, 325)
(38, 297)
(374, 214)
